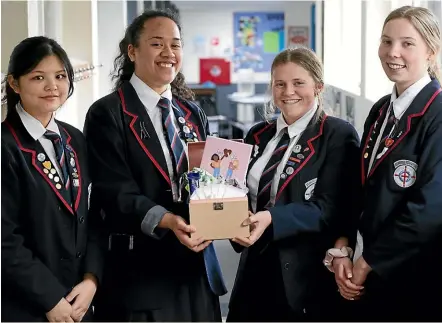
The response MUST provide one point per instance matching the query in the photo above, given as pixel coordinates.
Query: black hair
(26, 56)
(124, 67)
(214, 155)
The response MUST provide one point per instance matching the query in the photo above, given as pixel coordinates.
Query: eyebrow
(60, 71)
(406, 38)
(161, 38)
(296, 79)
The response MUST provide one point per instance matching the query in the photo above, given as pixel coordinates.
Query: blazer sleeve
(420, 221)
(96, 243)
(329, 208)
(20, 267)
(112, 178)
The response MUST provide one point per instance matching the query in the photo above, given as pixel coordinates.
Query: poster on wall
(258, 38)
(199, 45)
(298, 36)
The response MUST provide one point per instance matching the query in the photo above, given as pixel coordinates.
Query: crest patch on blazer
(310, 188)
(404, 173)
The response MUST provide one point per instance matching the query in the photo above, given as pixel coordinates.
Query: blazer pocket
(403, 172)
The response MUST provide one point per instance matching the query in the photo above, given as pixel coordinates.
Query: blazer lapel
(186, 122)
(38, 158)
(416, 110)
(371, 140)
(73, 165)
(260, 139)
(142, 128)
(303, 151)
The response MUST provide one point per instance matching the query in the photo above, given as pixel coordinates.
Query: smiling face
(403, 52)
(158, 53)
(44, 89)
(293, 90)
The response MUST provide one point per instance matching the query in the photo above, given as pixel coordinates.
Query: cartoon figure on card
(216, 165)
(233, 163)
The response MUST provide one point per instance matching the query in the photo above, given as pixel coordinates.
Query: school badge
(310, 188)
(404, 173)
(255, 151)
(89, 190)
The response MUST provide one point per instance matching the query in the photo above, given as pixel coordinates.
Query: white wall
(376, 82)
(342, 44)
(77, 40)
(14, 28)
(215, 19)
(112, 21)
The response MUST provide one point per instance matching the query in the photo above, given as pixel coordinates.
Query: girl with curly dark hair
(137, 137)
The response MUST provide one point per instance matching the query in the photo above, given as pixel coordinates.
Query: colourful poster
(258, 36)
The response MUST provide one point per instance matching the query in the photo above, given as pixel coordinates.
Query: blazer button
(81, 219)
(59, 209)
(78, 254)
(286, 266)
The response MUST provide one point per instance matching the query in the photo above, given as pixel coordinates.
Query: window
(342, 44)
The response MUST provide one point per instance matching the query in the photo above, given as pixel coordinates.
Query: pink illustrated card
(226, 159)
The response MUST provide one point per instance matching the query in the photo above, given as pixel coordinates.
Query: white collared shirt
(399, 105)
(294, 131)
(150, 100)
(403, 102)
(37, 131)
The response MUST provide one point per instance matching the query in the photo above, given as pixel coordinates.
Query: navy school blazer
(47, 244)
(130, 177)
(314, 205)
(401, 221)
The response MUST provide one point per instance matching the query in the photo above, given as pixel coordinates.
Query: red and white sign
(298, 36)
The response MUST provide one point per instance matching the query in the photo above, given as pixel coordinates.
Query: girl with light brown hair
(395, 273)
(303, 170)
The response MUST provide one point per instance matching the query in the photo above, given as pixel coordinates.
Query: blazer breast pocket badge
(405, 173)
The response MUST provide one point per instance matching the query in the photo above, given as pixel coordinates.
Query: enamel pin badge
(310, 188)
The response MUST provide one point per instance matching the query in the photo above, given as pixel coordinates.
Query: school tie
(213, 271)
(175, 142)
(60, 155)
(265, 183)
(383, 140)
(389, 131)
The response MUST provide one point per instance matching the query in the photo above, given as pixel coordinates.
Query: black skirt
(189, 301)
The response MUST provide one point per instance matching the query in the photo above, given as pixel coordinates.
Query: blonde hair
(308, 60)
(427, 25)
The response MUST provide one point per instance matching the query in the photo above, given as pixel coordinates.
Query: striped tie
(265, 183)
(389, 131)
(59, 153)
(175, 142)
